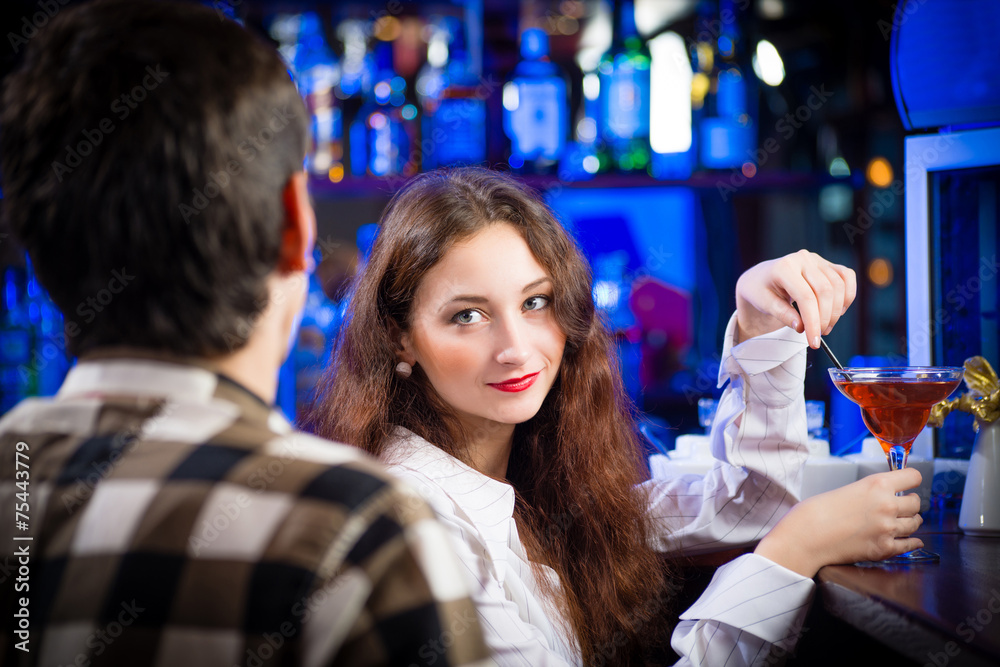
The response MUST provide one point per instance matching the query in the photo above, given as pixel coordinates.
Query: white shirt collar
(139, 377)
(488, 502)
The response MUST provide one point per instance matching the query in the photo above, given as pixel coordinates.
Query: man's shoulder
(334, 472)
(216, 446)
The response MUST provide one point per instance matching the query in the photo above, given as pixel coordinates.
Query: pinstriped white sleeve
(752, 613)
(759, 435)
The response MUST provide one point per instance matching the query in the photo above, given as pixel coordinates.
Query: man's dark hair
(144, 147)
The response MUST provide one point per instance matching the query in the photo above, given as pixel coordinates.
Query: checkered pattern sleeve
(417, 610)
(201, 534)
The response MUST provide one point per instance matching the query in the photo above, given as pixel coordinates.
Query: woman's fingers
(904, 544)
(808, 309)
(908, 525)
(822, 298)
(838, 293)
(833, 287)
(819, 289)
(904, 480)
(908, 505)
(850, 284)
(863, 520)
(822, 291)
(783, 311)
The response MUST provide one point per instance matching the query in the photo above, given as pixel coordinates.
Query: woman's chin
(518, 415)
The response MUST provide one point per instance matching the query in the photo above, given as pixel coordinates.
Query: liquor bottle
(357, 73)
(625, 94)
(18, 379)
(670, 127)
(381, 134)
(702, 54)
(727, 132)
(317, 74)
(582, 158)
(454, 108)
(535, 107)
(356, 67)
(432, 78)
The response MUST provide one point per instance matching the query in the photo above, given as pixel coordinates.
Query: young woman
(473, 363)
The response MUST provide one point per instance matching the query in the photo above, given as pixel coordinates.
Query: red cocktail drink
(895, 411)
(895, 404)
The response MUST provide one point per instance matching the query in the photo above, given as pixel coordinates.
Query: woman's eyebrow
(461, 298)
(532, 285)
(467, 298)
(475, 298)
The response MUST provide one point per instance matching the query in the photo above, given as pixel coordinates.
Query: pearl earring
(404, 369)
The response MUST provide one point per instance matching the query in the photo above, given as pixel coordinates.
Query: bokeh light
(880, 272)
(879, 172)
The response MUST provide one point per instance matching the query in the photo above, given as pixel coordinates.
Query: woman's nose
(512, 343)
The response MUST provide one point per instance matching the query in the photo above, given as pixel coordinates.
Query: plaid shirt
(172, 518)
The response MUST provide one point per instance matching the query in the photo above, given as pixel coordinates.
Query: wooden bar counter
(936, 614)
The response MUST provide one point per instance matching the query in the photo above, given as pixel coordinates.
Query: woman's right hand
(858, 522)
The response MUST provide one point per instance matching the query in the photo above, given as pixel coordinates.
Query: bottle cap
(534, 44)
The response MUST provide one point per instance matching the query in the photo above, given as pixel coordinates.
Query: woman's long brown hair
(574, 465)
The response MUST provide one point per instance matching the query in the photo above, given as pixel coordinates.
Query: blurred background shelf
(793, 141)
(378, 188)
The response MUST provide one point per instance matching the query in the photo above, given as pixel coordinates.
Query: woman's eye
(468, 317)
(536, 302)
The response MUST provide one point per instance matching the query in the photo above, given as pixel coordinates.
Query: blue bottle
(728, 138)
(356, 66)
(625, 94)
(433, 76)
(453, 103)
(380, 135)
(536, 113)
(582, 158)
(317, 74)
(671, 132)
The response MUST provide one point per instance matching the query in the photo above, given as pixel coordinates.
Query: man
(161, 512)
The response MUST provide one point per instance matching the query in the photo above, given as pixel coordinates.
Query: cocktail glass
(895, 404)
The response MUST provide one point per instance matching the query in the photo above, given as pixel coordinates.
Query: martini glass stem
(897, 456)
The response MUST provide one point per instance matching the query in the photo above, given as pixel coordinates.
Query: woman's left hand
(864, 520)
(822, 290)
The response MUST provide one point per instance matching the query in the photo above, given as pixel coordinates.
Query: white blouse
(752, 606)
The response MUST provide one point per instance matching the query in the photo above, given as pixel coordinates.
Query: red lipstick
(517, 384)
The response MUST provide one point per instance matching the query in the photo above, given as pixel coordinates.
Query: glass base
(915, 556)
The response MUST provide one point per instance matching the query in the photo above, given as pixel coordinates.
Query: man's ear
(299, 232)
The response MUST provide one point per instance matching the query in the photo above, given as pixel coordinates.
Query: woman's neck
(489, 448)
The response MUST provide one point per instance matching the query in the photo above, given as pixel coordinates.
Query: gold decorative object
(982, 399)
